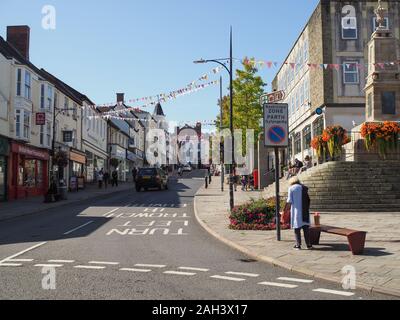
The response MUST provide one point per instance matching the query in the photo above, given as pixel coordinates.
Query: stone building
(326, 69)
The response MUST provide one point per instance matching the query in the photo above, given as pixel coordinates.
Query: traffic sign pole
(277, 206)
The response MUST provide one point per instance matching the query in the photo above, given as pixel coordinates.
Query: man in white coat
(299, 204)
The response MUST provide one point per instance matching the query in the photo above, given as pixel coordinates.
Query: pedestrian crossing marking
(47, 265)
(104, 262)
(277, 284)
(89, 267)
(227, 278)
(180, 273)
(194, 269)
(150, 265)
(252, 275)
(135, 270)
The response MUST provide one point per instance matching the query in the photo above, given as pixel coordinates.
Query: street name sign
(276, 125)
(273, 97)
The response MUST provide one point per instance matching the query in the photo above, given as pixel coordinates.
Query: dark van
(151, 178)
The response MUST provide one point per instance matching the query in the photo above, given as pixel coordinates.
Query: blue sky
(147, 47)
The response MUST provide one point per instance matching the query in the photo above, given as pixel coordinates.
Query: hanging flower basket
(382, 135)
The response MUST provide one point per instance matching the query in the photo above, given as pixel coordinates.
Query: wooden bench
(355, 238)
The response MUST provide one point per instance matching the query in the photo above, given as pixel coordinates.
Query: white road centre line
(277, 284)
(180, 273)
(89, 267)
(295, 280)
(150, 265)
(194, 269)
(48, 265)
(77, 228)
(61, 261)
(20, 260)
(110, 212)
(339, 293)
(22, 252)
(252, 275)
(227, 278)
(10, 264)
(104, 262)
(135, 270)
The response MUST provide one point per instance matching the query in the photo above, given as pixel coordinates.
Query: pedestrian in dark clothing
(106, 178)
(100, 177)
(114, 180)
(134, 174)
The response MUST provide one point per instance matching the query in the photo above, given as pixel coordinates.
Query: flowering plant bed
(383, 135)
(255, 215)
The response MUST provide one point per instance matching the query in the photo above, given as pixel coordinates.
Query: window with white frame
(48, 133)
(19, 81)
(22, 123)
(28, 80)
(297, 99)
(27, 124)
(385, 24)
(18, 122)
(75, 110)
(301, 89)
(349, 23)
(41, 97)
(307, 90)
(350, 72)
(49, 100)
(292, 104)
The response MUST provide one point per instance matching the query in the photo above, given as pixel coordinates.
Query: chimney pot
(120, 97)
(18, 37)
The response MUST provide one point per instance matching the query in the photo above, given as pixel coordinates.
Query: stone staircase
(350, 186)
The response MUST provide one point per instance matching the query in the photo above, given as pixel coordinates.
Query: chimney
(120, 97)
(18, 37)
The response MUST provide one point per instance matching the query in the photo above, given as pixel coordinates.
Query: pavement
(141, 246)
(33, 205)
(377, 270)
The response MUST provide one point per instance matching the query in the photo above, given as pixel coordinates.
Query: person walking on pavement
(134, 174)
(100, 176)
(114, 178)
(298, 203)
(106, 178)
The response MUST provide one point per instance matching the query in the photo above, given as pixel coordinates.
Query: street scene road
(144, 245)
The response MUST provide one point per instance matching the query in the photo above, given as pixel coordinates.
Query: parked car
(187, 168)
(151, 178)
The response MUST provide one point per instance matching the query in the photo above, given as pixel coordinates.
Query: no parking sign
(276, 125)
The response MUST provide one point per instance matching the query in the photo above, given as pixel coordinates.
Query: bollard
(206, 182)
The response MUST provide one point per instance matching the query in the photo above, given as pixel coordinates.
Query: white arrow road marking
(77, 228)
(104, 262)
(22, 252)
(194, 269)
(340, 293)
(110, 212)
(10, 264)
(252, 275)
(227, 278)
(276, 284)
(295, 280)
(49, 265)
(89, 267)
(150, 265)
(135, 270)
(180, 273)
(61, 261)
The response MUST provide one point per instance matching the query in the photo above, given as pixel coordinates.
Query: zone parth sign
(276, 125)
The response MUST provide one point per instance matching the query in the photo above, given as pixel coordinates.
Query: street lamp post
(230, 72)
(220, 128)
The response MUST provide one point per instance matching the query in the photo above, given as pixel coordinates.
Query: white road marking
(20, 260)
(104, 262)
(22, 252)
(295, 280)
(180, 273)
(340, 293)
(155, 210)
(109, 212)
(89, 267)
(150, 265)
(10, 264)
(48, 265)
(252, 275)
(162, 210)
(184, 205)
(77, 228)
(194, 269)
(135, 270)
(276, 284)
(61, 261)
(227, 278)
(145, 210)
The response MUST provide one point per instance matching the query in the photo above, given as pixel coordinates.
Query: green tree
(247, 111)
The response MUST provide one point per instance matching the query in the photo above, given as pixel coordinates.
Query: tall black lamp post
(230, 71)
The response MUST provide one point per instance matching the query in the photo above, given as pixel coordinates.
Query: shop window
(307, 137)
(297, 143)
(350, 73)
(318, 126)
(388, 102)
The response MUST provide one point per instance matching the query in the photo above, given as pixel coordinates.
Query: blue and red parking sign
(276, 125)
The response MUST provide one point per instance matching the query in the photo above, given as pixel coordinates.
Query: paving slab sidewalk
(378, 269)
(22, 207)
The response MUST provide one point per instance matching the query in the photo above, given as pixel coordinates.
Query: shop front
(132, 160)
(4, 151)
(120, 154)
(77, 162)
(94, 163)
(28, 171)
